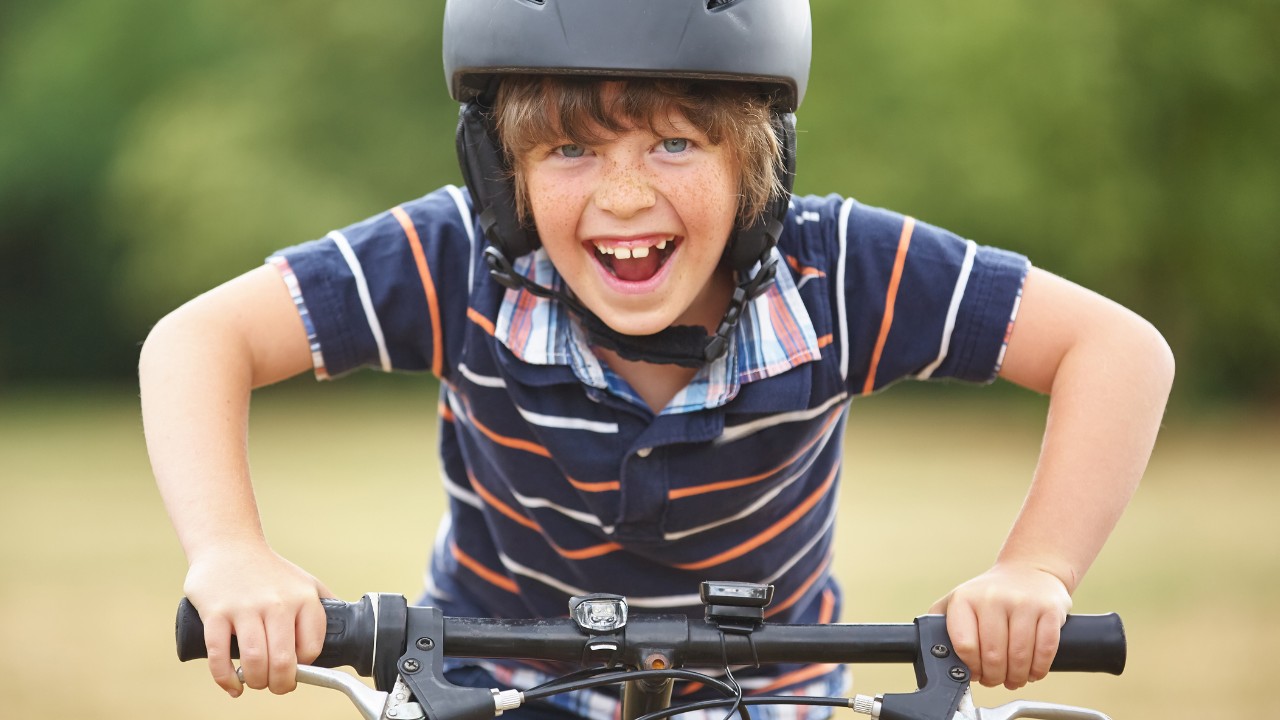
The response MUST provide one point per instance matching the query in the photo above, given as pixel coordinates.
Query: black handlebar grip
(1092, 643)
(348, 639)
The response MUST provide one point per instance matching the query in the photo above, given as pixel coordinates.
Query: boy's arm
(197, 369)
(1108, 373)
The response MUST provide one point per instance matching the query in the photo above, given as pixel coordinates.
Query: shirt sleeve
(383, 293)
(921, 302)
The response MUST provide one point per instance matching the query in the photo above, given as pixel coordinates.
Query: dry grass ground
(90, 570)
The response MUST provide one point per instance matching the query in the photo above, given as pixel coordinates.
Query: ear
(488, 177)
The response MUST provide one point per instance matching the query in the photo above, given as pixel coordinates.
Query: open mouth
(634, 262)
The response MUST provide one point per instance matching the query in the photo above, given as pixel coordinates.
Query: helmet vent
(717, 4)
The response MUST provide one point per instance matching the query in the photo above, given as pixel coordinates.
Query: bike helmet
(763, 43)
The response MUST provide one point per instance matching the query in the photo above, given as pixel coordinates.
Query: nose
(624, 188)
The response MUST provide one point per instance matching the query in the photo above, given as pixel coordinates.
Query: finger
(1021, 647)
(252, 639)
(962, 626)
(217, 642)
(310, 631)
(993, 639)
(1048, 635)
(282, 658)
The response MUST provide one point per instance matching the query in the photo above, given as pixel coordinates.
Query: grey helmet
(765, 43)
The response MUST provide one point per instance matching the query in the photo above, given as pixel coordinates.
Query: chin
(637, 326)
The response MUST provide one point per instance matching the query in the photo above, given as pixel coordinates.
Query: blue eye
(571, 151)
(675, 145)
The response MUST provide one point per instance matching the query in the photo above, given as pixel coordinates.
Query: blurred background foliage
(151, 149)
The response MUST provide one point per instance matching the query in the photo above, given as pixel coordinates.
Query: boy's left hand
(1005, 623)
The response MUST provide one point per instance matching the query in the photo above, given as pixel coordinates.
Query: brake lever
(1040, 711)
(372, 704)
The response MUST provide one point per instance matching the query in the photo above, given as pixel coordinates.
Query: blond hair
(531, 111)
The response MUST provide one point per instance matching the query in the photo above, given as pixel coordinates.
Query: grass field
(90, 570)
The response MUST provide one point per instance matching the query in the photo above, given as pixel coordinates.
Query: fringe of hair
(535, 111)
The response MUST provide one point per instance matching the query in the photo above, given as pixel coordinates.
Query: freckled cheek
(712, 198)
(554, 207)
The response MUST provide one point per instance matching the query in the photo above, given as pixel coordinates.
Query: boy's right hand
(272, 607)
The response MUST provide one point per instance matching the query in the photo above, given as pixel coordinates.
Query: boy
(646, 348)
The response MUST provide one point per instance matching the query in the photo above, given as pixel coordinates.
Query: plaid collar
(774, 335)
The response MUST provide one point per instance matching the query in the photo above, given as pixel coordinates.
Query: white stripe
(962, 282)
(481, 380)
(465, 212)
(582, 517)
(568, 423)
(737, 432)
(786, 567)
(461, 494)
(362, 288)
(664, 601)
(518, 569)
(842, 325)
(762, 500)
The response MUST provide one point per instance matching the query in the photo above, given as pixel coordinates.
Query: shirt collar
(774, 335)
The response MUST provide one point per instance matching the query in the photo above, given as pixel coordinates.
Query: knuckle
(965, 646)
(282, 663)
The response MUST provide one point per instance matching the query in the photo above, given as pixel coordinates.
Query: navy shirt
(562, 481)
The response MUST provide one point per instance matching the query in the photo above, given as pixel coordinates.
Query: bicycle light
(599, 613)
(738, 594)
(736, 607)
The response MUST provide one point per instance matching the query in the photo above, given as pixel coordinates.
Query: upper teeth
(625, 253)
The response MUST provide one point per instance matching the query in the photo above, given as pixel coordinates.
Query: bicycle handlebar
(1090, 643)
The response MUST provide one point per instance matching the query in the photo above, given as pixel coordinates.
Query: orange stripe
(827, 613)
(428, 287)
(500, 506)
(804, 587)
(739, 482)
(494, 578)
(503, 440)
(602, 486)
(481, 320)
(804, 269)
(536, 449)
(904, 242)
(825, 340)
(797, 676)
(585, 553)
(773, 531)
(446, 413)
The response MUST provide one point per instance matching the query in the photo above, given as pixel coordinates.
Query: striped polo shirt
(562, 481)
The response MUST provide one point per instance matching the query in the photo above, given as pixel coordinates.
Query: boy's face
(637, 224)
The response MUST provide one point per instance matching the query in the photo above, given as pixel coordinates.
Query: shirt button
(644, 452)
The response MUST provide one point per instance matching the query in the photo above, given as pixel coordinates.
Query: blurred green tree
(149, 150)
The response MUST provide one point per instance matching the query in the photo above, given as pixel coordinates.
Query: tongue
(637, 269)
